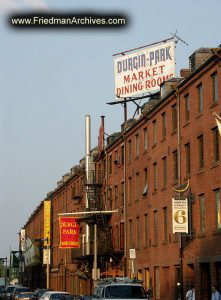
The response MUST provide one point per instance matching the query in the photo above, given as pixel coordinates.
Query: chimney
(198, 58)
(184, 73)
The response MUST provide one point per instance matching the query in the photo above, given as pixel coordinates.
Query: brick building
(174, 142)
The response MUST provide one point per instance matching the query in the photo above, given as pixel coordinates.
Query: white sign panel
(132, 253)
(46, 256)
(22, 239)
(144, 70)
(180, 215)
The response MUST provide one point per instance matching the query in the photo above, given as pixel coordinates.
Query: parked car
(24, 296)
(119, 288)
(9, 291)
(2, 291)
(39, 292)
(71, 297)
(53, 295)
(19, 290)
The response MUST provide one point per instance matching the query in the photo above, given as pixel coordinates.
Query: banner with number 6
(180, 215)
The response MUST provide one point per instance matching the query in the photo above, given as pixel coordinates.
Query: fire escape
(96, 202)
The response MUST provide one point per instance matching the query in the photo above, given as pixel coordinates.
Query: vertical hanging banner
(180, 215)
(22, 240)
(69, 233)
(144, 69)
(47, 221)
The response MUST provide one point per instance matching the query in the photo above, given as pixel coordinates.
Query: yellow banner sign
(47, 221)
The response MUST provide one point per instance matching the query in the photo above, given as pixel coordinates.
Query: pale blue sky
(50, 79)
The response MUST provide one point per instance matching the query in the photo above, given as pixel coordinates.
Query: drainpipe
(87, 161)
(178, 136)
(125, 212)
(179, 180)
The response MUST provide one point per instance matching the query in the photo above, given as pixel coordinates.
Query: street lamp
(48, 255)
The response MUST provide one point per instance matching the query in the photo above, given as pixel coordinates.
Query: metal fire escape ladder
(96, 203)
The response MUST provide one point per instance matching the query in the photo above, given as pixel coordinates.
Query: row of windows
(144, 188)
(214, 79)
(135, 229)
(215, 134)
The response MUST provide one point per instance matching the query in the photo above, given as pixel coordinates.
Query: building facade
(172, 149)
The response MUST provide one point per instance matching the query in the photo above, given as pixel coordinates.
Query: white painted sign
(46, 256)
(180, 215)
(132, 253)
(144, 70)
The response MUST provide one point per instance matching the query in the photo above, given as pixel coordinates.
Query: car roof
(57, 292)
(119, 281)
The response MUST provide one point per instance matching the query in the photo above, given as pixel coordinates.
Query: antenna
(178, 38)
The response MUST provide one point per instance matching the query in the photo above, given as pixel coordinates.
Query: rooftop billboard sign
(144, 69)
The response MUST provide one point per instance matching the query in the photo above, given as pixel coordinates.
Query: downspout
(87, 161)
(125, 212)
(179, 180)
(178, 136)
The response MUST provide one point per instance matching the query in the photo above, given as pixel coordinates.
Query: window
(121, 236)
(122, 154)
(104, 167)
(155, 227)
(164, 172)
(145, 139)
(202, 214)
(129, 190)
(174, 118)
(157, 282)
(122, 193)
(110, 164)
(137, 186)
(116, 196)
(73, 191)
(129, 151)
(218, 208)
(154, 132)
(215, 144)
(117, 237)
(187, 108)
(131, 234)
(214, 87)
(137, 145)
(116, 162)
(146, 228)
(187, 150)
(155, 176)
(138, 232)
(165, 221)
(164, 125)
(110, 198)
(145, 189)
(200, 98)
(175, 166)
(200, 152)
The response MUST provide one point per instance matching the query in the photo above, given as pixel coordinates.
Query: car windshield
(125, 292)
(19, 290)
(25, 295)
(57, 296)
(10, 289)
(41, 292)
